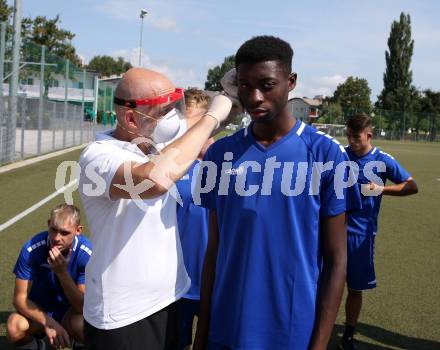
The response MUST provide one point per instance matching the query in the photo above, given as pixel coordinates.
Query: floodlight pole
(142, 15)
(13, 86)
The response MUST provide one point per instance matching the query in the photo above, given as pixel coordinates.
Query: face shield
(166, 110)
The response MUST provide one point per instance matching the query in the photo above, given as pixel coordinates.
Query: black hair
(265, 48)
(359, 122)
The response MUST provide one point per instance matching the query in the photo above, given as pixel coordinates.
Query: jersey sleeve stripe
(386, 154)
(86, 249)
(36, 245)
(300, 129)
(76, 244)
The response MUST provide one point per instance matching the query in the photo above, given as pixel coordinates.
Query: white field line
(36, 206)
(22, 163)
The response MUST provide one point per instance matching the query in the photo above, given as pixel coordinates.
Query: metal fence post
(73, 123)
(66, 91)
(81, 124)
(23, 125)
(103, 104)
(3, 154)
(54, 123)
(40, 107)
(95, 102)
(13, 86)
(404, 126)
(2, 65)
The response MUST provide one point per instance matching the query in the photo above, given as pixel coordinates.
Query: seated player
(362, 224)
(192, 222)
(49, 284)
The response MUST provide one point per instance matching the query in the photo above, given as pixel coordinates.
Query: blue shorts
(57, 314)
(360, 262)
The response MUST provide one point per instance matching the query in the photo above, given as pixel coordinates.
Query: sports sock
(349, 331)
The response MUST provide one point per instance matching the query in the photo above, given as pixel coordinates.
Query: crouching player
(362, 224)
(49, 284)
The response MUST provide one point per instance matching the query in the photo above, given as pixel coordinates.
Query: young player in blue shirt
(275, 264)
(375, 168)
(49, 285)
(192, 222)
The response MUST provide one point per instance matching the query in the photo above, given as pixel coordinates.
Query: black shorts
(159, 331)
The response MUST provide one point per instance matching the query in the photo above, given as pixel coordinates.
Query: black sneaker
(41, 344)
(78, 346)
(347, 344)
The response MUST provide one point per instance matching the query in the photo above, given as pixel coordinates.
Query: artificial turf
(402, 313)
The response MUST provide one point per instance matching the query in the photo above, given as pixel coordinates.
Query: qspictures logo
(297, 178)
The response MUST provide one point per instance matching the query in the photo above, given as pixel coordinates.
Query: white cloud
(181, 76)
(130, 11)
(324, 85)
(330, 82)
(167, 24)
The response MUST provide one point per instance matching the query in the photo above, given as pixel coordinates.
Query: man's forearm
(73, 294)
(329, 298)
(185, 150)
(164, 169)
(29, 309)
(403, 189)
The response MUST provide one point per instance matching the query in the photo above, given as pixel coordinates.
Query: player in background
(192, 221)
(49, 284)
(362, 224)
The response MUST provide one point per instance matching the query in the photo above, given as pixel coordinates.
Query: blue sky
(183, 39)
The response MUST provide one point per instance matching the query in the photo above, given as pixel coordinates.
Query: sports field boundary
(33, 160)
(37, 205)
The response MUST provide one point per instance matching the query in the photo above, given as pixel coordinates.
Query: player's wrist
(62, 272)
(212, 120)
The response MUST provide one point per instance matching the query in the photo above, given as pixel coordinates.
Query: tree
(430, 109)
(215, 74)
(107, 65)
(58, 41)
(398, 92)
(353, 96)
(331, 113)
(58, 48)
(5, 11)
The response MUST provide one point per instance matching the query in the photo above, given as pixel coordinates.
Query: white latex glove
(220, 108)
(229, 83)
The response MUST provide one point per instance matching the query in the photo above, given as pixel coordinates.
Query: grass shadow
(388, 339)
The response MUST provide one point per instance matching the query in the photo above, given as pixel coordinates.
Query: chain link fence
(388, 125)
(56, 105)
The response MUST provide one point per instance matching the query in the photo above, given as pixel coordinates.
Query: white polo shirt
(137, 267)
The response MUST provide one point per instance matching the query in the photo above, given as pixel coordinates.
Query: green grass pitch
(403, 312)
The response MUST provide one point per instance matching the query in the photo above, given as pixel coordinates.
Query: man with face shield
(136, 272)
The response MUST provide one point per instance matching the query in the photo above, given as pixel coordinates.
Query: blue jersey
(32, 265)
(383, 166)
(192, 221)
(269, 205)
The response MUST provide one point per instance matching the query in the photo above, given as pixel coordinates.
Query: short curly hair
(265, 48)
(196, 97)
